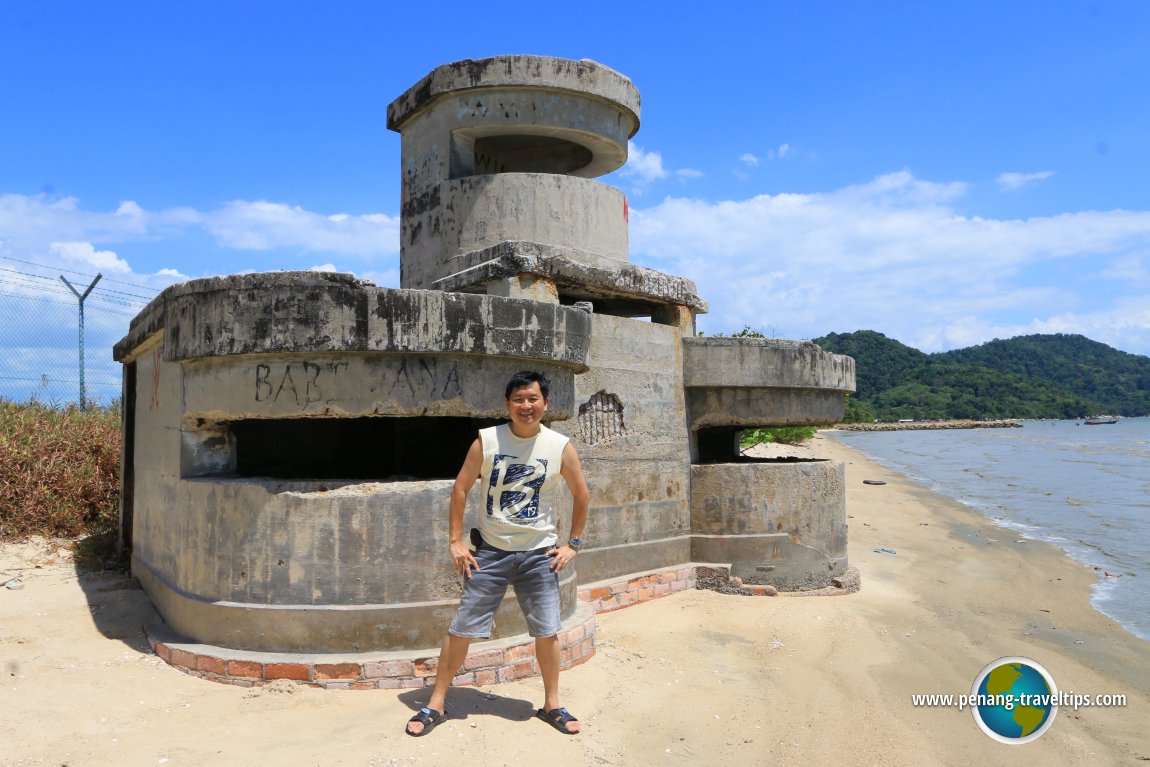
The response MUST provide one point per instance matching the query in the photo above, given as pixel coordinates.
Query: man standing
(520, 463)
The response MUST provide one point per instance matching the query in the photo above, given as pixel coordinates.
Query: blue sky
(945, 173)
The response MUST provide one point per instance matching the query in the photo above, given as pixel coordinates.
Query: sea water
(1084, 488)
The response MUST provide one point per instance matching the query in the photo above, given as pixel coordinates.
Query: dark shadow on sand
(466, 702)
(118, 605)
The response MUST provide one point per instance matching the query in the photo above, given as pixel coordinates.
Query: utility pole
(83, 393)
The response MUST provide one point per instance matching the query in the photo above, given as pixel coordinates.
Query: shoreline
(1108, 574)
(696, 677)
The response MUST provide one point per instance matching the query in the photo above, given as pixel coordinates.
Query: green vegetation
(857, 411)
(786, 435)
(1037, 376)
(59, 470)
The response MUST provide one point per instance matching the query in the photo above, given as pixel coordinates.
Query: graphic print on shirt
(517, 486)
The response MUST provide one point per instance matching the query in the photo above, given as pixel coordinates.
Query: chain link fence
(43, 356)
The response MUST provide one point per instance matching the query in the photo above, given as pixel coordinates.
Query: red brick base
(489, 662)
(605, 596)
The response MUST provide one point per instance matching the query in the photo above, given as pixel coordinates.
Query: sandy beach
(693, 678)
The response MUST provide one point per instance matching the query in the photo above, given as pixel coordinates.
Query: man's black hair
(526, 378)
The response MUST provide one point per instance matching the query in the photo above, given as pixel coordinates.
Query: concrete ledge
(579, 273)
(764, 363)
(326, 312)
(324, 630)
(583, 78)
(490, 662)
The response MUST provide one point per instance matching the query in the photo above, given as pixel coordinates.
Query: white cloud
(902, 188)
(752, 160)
(263, 225)
(130, 208)
(38, 220)
(1008, 182)
(1124, 325)
(329, 267)
(892, 255)
(749, 160)
(84, 254)
(645, 166)
(1132, 269)
(38, 226)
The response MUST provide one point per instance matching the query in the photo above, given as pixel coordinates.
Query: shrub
(785, 435)
(59, 470)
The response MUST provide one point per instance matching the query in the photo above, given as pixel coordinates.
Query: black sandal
(558, 718)
(428, 717)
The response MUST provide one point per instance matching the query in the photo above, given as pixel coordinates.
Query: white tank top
(519, 478)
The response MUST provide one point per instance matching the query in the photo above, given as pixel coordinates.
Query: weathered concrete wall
(319, 566)
(763, 407)
(326, 312)
(537, 121)
(757, 362)
(776, 522)
(291, 566)
(349, 385)
(759, 382)
(630, 431)
(482, 211)
(156, 511)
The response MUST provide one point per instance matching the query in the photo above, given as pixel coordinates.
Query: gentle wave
(1085, 489)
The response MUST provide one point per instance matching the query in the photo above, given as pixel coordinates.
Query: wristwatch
(575, 542)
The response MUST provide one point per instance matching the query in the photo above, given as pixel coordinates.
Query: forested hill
(1037, 376)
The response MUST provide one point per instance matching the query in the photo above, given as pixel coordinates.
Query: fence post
(83, 404)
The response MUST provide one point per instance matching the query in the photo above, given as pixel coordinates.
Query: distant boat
(1100, 420)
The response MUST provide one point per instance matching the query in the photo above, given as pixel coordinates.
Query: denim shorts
(536, 588)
